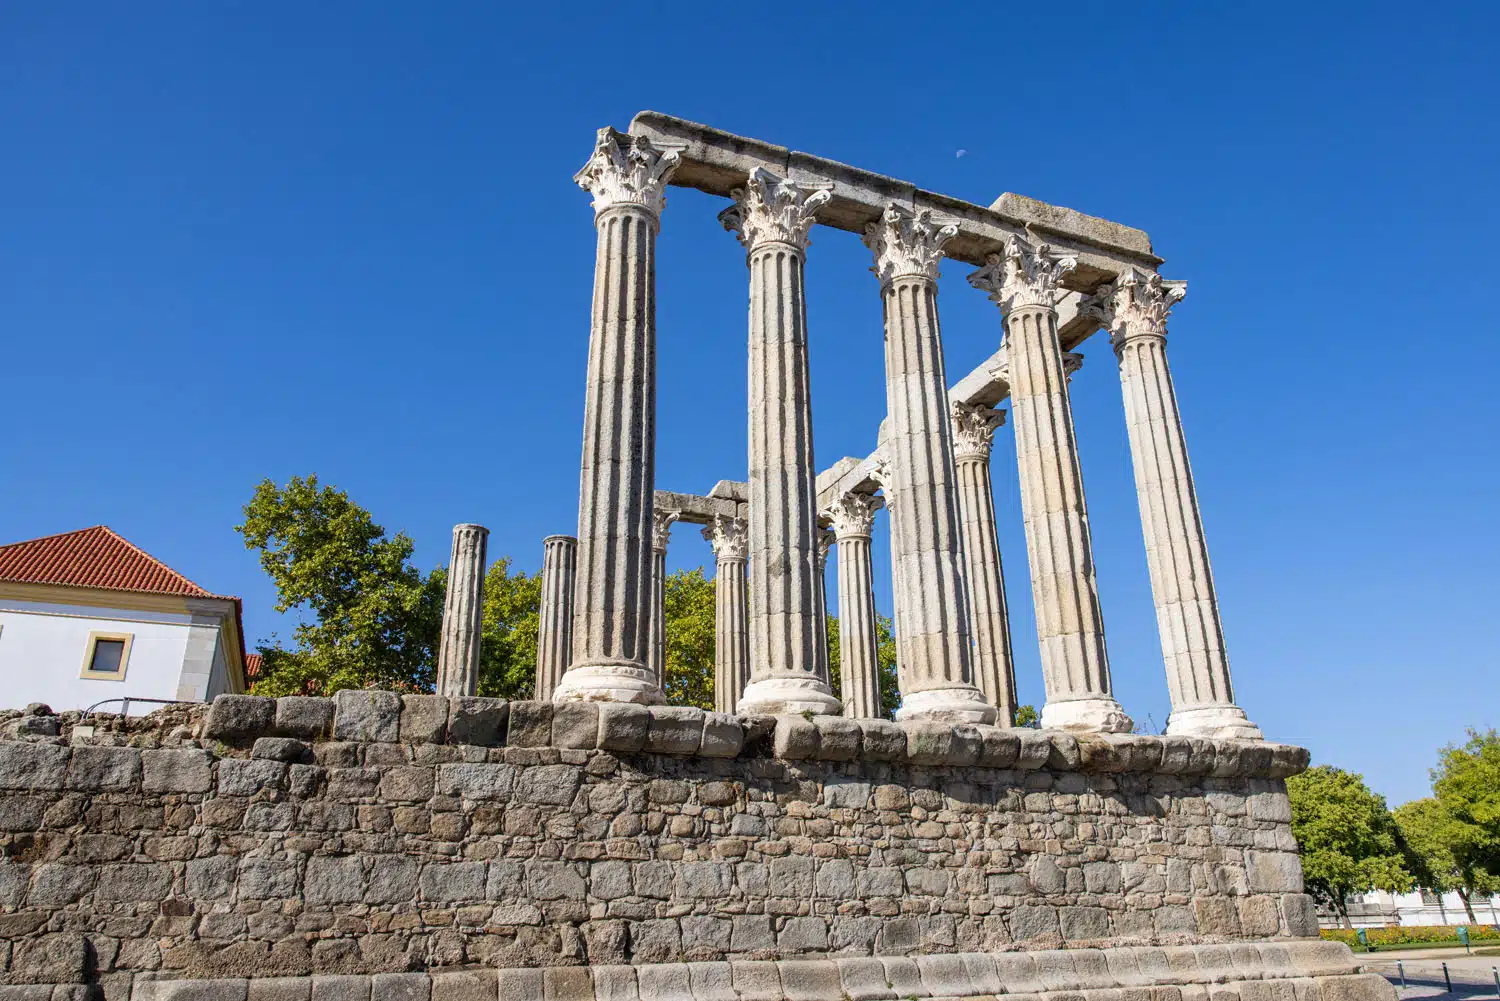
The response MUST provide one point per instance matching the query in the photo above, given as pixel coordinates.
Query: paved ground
(1473, 977)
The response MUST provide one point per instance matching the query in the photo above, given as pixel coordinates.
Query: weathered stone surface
(839, 739)
(795, 738)
(424, 718)
(881, 740)
(476, 720)
(237, 717)
(530, 724)
(32, 766)
(305, 717)
(575, 725)
(281, 749)
(674, 730)
(723, 736)
(365, 715)
(623, 726)
(105, 769)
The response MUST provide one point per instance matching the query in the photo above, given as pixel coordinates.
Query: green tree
(885, 661)
(1467, 780)
(689, 673)
(1349, 840)
(512, 620)
(1027, 715)
(372, 618)
(1446, 852)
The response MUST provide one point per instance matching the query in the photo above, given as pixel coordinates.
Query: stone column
(730, 540)
(771, 217)
(937, 676)
(661, 532)
(612, 603)
(973, 436)
(853, 515)
(1134, 310)
(1075, 666)
(463, 613)
(820, 581)
(554, 641)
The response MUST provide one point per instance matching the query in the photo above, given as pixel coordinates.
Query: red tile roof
(93, 557)
(252, 666)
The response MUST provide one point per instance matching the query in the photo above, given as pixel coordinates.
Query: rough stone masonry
(382, 847)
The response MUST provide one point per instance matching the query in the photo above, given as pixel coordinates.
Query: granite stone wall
(376, 834)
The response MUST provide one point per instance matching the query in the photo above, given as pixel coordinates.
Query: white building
(86, 617)
(1377, 909)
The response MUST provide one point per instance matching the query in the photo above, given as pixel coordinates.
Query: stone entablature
(301, 836)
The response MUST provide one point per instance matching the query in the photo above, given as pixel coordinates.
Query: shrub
(1411, 934)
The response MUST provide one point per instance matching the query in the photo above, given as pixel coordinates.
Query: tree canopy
(1349, 840)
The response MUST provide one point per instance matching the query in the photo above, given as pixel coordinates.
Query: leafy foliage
(512, 620)
(689, 674)
(1349, 839)
(1408, 934)
(1027, 715)
(885, 662)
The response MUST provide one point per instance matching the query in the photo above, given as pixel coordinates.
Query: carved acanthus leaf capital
(974, 430)
(907, 244)
(772, 209)
(826, 539)
(1022, 275)
(1134, 305)
(853, 515)
(628, 170)
(729, 537)
(661, 528)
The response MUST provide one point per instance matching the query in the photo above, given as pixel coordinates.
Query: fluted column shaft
(820, 583)
(554, 641)
(612, 606)
(859, 642)
(661, 527)
(789, 671)
(936, 669)
(729, 538)
(1135, 310)
(463, 613)
(1070, 625)
(994, 667)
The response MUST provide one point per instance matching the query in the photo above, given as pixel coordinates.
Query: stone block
(1216, 916)
(665, 982)
(842, 793)
(521, 985)
(903, 976)
(366, 715)
(999, 747)
(705, 936)
(839, 739)
(1065, 756)
(674, 730)
(551, 785)
(53, 884)
(575, 725)
(548, 880)
(756, 981)
(1084, 924)
(334, 880)
(465, 985)
(1255, 758)
(210, 879)
(751, 933)
(235, 989)
(881, 740)
(723, 736)
(1287, 761)
(656, 940)
(802, 934)
(1300, 913)
(863, 979)
(476, 781)
(424, 719)
(280, 989)
(966, 746)
(479, 721)
(304, 717)
(809, 980)
(928, 743)
(711, 982)
(340, 988)
(795, 738)
(453, 882)
(897, 938)
(105, 769)
(1274, 872)
(567, 983)
(1259, 916)
(32, 766)
(1035, 748)
(945, 976)
(401, 986)
(133, 882)
(623, 726)
(614, 983)
(1034, 921)
(58, 958)
(246, 777)
(239, 717)
(530, 724)
(289, 749)
(1356, 987)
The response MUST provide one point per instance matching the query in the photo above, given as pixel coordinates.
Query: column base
(947, 705)
(788, 696)
(1224, 721)
(1096, 715)
(609, 682)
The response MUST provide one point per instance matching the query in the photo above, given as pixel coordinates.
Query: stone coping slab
(1304, 970)
(281, 729)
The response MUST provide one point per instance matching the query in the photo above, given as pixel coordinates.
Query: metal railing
(125, 708)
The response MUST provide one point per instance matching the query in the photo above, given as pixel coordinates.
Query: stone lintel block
(105, 769)
(237, 717)
(1035, 747)
(967, 745)
(711, 982)
(530, 724)
(1064, 756)
(611, 983)
(476, 720)
(623, 726)
(304, 716)
(521, 985)
(674, 729)
(575, 725)
(282, 988)
(808, 979)
(32, 766)
(1227, 755)
(1000, 747)
(757, 981)
(839, 739)
(566, 983)
(881, 740)
(927, 743)
(1287, 760)
(424, 719)
(1256, 757)
(863, 979)
(723, 736)
(665, 982)
(185, 769)
(945, 976)
(464, 985)
(795, 739)
(366, 715)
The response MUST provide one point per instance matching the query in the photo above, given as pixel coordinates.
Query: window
(107, 656)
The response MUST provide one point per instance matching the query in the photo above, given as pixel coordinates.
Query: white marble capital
(852, 516)
(1023, 275)
(974, 431)
(628, 170)
(907, 244)
(1134, 305)
(729, 537)
(772, 209)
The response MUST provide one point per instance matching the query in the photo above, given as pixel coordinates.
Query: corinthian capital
(628, 170)
(974, 430)
(1022, 275)
(729, 537)
(852, 515)
(1134, 305)
(826, 540)
(907, 244)
(661, 528)
(771, 209)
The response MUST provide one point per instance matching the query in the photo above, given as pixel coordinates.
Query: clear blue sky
(242, 240)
